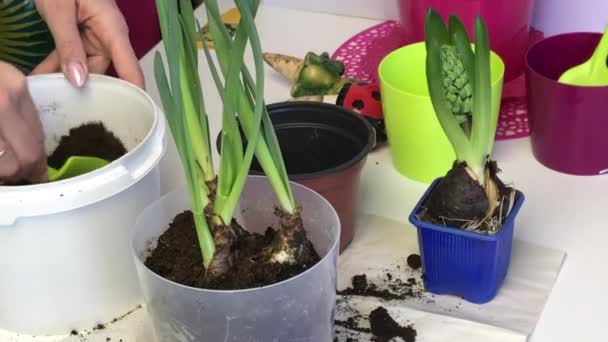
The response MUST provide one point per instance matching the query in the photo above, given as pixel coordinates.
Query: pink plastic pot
(568, 123)
(508, 24)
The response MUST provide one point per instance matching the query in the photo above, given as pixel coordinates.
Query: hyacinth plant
(470, 196)
(215, 196)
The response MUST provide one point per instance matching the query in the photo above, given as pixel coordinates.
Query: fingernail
(75, 73)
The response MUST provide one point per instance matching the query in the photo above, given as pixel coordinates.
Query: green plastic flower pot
(419, 148)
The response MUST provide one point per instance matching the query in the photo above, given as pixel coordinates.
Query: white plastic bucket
(65, 260)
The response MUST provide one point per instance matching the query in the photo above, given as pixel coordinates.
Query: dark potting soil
(414, 261)
(352, 324)
(91, 140)
(384, 327)
(177, 257)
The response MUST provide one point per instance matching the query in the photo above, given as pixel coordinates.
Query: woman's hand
(89, 35)
(22, 155)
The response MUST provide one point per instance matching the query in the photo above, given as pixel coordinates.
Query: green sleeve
(24, 37)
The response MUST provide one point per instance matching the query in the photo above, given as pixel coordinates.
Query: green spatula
(594, 72)
(76, 166)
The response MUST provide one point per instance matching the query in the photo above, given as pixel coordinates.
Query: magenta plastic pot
(568, 123)
(508, 24)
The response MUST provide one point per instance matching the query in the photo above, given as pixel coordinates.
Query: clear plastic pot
(298, 309)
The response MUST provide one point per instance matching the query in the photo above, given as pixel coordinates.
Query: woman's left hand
(89, 35)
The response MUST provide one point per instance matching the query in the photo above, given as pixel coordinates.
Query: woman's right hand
(22, 155)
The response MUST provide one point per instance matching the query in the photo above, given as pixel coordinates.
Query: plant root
(290, 245)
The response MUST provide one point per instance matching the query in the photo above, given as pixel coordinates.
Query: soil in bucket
(90, 140)
(177, 257)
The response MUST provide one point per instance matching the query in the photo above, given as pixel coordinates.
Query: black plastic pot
(324, 147)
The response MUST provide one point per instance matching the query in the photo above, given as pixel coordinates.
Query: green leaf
(189, 24)
(176, 95)
(234, 89)
(278, 173)
(194, 107)
(448, 121)
(223, 45)
(166, 97)
(221, 37)
(434, 29)
(460, 39)
(217, 78)
(482, 136)
(207, 245)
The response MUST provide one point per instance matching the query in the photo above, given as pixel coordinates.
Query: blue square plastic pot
(465, 264)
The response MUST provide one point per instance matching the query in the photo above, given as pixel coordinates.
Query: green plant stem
(181, 107)
(481, 135)
(193, 124)
(247, 114)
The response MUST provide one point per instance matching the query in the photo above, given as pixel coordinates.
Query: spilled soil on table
(401, 283)
(389, 288)
(382, 327)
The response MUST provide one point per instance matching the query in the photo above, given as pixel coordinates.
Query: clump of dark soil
(90, 140)
(359, 283)
(362, 288)
(352, 324)
(177, 257)
(384, 327)
(414, 261)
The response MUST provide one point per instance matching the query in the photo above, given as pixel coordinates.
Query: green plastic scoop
(76, 166)
(594, 72)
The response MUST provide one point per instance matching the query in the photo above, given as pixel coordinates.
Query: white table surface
(563, 212)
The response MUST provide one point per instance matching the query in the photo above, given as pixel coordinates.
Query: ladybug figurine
(364, 99)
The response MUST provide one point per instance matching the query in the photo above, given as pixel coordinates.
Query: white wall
(373, 9)
(559, 16)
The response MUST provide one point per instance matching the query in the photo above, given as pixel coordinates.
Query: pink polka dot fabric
(362, 53)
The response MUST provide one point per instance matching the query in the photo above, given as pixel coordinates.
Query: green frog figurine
(315, 75)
